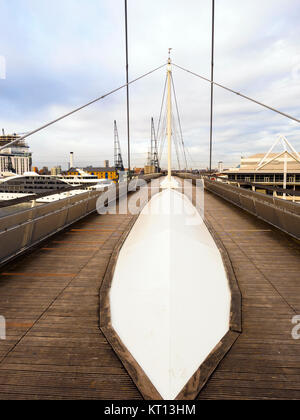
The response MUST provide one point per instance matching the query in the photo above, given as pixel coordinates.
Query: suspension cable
(179, 121)
(163, 134)
(239, 94)
(80, 108)
(181, 148)
(162, 104)
(193, 163)
(175, 138)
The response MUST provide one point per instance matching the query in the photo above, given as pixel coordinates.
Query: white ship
(17, 186)
(84, 178)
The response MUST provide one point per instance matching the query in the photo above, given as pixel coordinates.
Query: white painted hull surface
(170, 298)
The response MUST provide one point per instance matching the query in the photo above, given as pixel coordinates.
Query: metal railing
(282, 214)
(27, 228)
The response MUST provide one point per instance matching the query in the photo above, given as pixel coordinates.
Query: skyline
(50, 72)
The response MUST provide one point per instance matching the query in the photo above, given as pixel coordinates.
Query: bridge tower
(169, 116)
(117, 150)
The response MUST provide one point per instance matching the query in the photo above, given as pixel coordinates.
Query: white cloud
(81, 45)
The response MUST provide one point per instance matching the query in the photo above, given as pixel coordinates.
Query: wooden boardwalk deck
(264, 362)
(50, 298)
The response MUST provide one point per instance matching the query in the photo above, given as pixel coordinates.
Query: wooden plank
(59, 352)
(264, 362)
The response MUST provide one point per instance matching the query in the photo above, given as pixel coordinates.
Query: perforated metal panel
(22, 230)
(281, 214)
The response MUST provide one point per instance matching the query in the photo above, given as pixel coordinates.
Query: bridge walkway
(264, 362)
(50, 298)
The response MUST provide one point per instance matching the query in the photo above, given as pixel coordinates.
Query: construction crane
(154, 149)
(117, 148)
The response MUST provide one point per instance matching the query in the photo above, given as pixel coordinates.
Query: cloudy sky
(61, 53)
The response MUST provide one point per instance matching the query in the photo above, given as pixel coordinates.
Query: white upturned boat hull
(170, 298)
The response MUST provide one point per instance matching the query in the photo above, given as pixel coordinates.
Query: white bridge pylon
(170, 127)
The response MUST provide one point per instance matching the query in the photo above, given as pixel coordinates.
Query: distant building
(275, 170)
(44, 171)
(149, 169)
(220, 167)
(272, 173)
(56, 170)
(16, 158)
(109, 173)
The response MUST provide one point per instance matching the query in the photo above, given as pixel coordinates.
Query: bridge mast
(169, 125)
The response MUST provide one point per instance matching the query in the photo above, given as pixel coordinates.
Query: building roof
(92, 169)
(100, 169)
(273, 164)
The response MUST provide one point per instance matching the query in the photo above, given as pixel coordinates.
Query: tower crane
(117, 150)
(154, 149)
